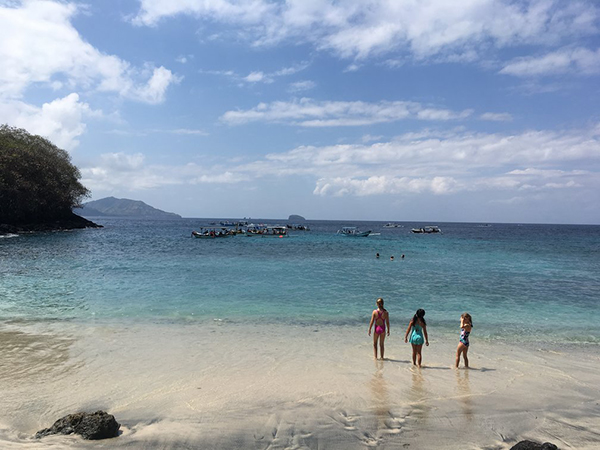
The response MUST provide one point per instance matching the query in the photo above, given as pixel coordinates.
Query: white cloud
(444, 164)
(122, 162)
(378, 185)
(40, 45)
(497, 117)
(300, 86)
(362, 28)
(221, 178)
(310, 113)
(61, 121)
(578, 61)
(526, 164)
(123, 171)
(259, 76)
(255, 77)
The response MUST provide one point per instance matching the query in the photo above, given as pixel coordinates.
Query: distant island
(296, 219)
(122, 207)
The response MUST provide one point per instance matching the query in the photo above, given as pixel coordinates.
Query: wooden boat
(276, 231)
(353, 232)
(426, 230)
(212, 234)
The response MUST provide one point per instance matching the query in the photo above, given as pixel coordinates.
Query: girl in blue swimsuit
(466, 325)
(418, 335)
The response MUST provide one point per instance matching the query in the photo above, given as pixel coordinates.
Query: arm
(408, 331)
(387, 322)
(425, 333)
(371, 323)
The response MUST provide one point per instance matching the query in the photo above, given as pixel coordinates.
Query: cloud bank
(363, 28)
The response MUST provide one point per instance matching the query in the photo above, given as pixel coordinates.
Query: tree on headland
(38, 182)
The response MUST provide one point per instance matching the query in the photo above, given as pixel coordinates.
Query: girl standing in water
(380, 318)
(419, 329)
(466, 325)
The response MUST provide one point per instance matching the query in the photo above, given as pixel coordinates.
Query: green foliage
(37, 179)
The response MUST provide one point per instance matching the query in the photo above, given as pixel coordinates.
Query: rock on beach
(92, 426)
(530, 445)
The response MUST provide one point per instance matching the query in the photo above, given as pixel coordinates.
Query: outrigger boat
(353, 232)
(276, 231)
(212, 234)
(393, 225)
(426, 230)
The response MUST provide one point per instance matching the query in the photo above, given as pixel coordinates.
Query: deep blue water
(540, 282)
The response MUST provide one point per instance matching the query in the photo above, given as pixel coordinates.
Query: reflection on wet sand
(418, 394)
(380, 395)
(463, 388)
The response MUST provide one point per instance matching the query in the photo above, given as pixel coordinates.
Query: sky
(394, 110)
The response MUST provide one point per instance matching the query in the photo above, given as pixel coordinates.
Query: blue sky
(357, 109)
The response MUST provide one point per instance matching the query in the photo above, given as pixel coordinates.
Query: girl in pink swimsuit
(381, 319)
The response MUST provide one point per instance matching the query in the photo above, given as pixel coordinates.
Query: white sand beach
(221, 385)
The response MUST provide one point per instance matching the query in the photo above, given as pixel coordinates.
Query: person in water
(466, 325)
(418, 337)
(381, 319)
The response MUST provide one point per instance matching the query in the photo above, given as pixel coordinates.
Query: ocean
(139, 296)
(539, 282)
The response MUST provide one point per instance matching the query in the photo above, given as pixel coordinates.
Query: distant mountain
(122, 207)
(296, 218)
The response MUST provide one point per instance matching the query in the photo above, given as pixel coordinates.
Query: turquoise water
(531, 282)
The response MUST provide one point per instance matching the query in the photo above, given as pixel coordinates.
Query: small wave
(9, 235)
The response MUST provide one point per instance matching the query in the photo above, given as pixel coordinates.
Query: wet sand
(220, 385)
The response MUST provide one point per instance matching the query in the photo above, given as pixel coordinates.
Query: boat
(353, 232)
(426, 230)
(298, 227)
(393, 225)
(212, 234)
(270, 231)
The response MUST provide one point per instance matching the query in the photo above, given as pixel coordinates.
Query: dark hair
(420, 315)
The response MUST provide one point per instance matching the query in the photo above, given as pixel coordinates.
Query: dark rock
(68, 222)
(530, 445)
(93, 426)
(294, 218)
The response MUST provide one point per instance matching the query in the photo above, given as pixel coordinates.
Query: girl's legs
(419, 357)
(375, 337)
(381, 346)
(462, 349)
(417, 354)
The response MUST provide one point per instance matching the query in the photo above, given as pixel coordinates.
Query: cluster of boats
(251, 230)
(280, 231)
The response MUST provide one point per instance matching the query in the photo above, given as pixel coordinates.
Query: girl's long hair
(467, 317)
(419, 315)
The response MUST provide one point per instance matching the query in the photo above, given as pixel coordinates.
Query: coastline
(218, 385)
(69, 222)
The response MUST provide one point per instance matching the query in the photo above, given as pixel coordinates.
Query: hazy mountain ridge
(123, 207)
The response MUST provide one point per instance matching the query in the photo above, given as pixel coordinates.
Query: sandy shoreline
(220, 386)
